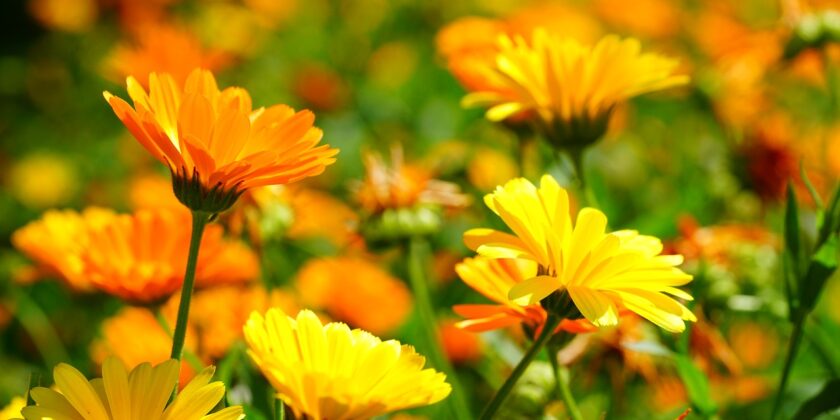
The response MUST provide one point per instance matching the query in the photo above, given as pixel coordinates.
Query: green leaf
(831, 218)
(793, 251)
(811, 190)
(825, 400)
(696, 385)
(823, 264)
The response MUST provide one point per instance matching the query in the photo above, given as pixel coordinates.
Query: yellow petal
(79, 392)
(532, 290)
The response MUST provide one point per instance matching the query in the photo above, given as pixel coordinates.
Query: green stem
(586, 194)
(793, 348)
(418, 249)
(199, 221)
(494, 405)
(562, 375)
(33, 319)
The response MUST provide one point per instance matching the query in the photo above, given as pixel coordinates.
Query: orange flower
(214, 143)
(142, 257)
(494, 278)
(402, 186)
(755, 345)
(649, 18)
(56, 241)
(717, 243)
(164, 48)
(460, 346)
(135, 336)
(218, 323)
(355, 291)
(70, 16)
(152, 191)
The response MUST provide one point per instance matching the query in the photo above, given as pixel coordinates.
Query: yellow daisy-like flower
(332, 372)
(601, 272)
(141, 394)
(571, 87)
(214, 142)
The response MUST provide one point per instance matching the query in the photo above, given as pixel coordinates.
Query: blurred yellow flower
(489, 168)
(332, 372)
(135, 336)
(142, 393)
(70, 16)
(493, 278)
(214, 143)
(12, 410)
(57, 240)
(141, 257)
(43, 180)
(571, 88)
(355, 291)
(162, 48)
(601, 272)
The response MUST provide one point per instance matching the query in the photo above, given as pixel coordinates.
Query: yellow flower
(43, 180)
(214, 143)
(601, 272)
(141, 394)
(570, 87)
(332, 372)
(12, 411)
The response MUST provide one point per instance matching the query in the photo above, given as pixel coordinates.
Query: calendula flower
(165, 48)
(370, 298)
(401, 199)
(56, 241)
(141, 257)
(12, 410)
(333, 372)
(460, 346)
(43, 180)
(142, 393)
(493, 278)
(601, 272)
(214, 142)
(570, 87)
(135, 336)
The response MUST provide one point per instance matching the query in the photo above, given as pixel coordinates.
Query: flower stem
(547, 331)
(562, 375)
(418, 249)
(586, 194)
(37, 324)
(793, 348)
(199, 221)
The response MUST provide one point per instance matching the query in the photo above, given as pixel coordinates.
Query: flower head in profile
(142, 393)
(333, 372)
(493, 278)
(141, 257)
(601, 272)
(569, 87)
(56, 241)
(215, 143)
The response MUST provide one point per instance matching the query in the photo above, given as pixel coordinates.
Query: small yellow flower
(601, 272)
(569, 87)
(215, 143)
(141, 394)
(12, 410)
(332, 372)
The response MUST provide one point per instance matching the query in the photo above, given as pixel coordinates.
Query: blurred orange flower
(218, 324)
(163, 48)
(70, 16)
(756, 345)
(57, 240)
(135, 336)
(716, 243)
(355, 291)
(141, 257)
(402, 185)
(494, 278)
(152, 191)
(214, 143)
(460, 346)
(646, 18)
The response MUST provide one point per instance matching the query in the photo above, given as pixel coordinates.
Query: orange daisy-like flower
(56, 241)
(163, 48)
(493, 278)
(355, 291)
(214, 142)
(142, 257)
